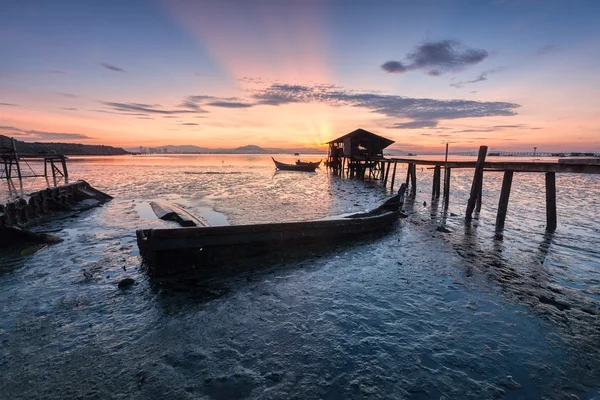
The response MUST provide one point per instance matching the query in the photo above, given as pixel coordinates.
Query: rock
(403, 214)
(444, 229)
(125, 283)
(424, 204)
(453, 215)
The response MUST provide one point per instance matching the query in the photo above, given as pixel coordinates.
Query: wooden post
(447, 186)
(387, 173)
(64, 165)
(45, 166)
(393, 176)
(413, 179)
(408, 172)
(435, 190)
(550, 201)
(14, 144)
(53, 168)
(503, 202)
(480, 194)
(476, 185)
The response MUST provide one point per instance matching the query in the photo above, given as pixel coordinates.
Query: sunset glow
(509, 74)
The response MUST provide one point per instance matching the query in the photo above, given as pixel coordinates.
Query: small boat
(205, 250)
(295, 167)
(316, 163)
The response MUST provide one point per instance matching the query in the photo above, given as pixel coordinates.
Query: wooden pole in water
(480, 194)
(413, 179)
(435, 191)
(408, 172)
(476, 185)
(393, 176)
(550, 201)
(447, 186)
(503, 202)
(64, 165)
(14, 144)
(387, 173)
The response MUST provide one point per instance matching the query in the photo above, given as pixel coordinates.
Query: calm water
(416, 314)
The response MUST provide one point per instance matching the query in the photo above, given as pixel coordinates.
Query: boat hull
(208, 249)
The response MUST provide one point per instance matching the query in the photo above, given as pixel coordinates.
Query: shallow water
(414, 314)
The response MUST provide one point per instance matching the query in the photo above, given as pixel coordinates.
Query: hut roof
(363, 136)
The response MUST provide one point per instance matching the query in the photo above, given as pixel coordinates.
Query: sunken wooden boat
(303, 167)
(203, 249)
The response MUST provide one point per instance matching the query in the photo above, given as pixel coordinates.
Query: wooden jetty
(550, 169)
(12, 163)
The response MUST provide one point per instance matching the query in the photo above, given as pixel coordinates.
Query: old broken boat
(303, 167)
(200, 249)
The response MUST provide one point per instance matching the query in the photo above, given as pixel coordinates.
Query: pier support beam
(550, 201)
(503, 202)
(393, 176)
(435, 190)
(477, 182)
(387, 173)
(447, 186)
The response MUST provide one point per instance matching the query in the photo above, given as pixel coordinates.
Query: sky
(509, 74)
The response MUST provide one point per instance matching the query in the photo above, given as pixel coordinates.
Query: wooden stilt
(550, 201)
(408, 172)
(447, 186)
(387, 173)
(45, 167)
(435, 190)
(476, 185)
(503, 202)
(480, 194)
(413, 179)
(393, 177)
(14, 144)
(64, 165)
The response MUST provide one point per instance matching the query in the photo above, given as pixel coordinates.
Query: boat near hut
(315, 163)
(302, 167)
(201, 250)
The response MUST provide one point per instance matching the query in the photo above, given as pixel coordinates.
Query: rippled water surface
(416, 314)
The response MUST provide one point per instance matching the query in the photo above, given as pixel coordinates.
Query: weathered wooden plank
(476, 185)
(393, 177)
(503, 202)
(435, 190)
(550, 201)
(447, 172)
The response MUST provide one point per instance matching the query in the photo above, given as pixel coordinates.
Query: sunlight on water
(414, 314)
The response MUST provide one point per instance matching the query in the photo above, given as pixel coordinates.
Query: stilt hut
(358, 153)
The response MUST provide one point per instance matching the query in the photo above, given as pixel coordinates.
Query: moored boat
(202, 249)
(303, 167)
(315, 163)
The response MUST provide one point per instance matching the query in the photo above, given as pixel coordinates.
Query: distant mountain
(248, 149)
(74, 149)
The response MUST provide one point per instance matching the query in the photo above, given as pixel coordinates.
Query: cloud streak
(113, 68)
(437, 58)
(422, 112)
(136, 108)
(480, 78)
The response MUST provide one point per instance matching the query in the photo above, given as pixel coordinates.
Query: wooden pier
(12, 164)
(550, 169)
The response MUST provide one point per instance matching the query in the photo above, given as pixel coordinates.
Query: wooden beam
(393, 177)
(63, 160)
(387, 173)
(503, 202)
(476, 185)
(550, 201)
(480, 194)
(413, 179)
(435, 190)
(447, 186)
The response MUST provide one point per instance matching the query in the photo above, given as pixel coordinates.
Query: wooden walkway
(389, 166)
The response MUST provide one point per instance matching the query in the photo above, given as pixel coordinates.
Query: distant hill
(248, 149)
(74, 149)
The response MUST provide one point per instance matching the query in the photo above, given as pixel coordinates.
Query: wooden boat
(205, 249)
(303, 167)
(315, 164)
